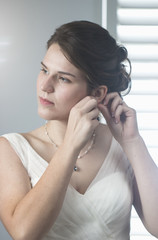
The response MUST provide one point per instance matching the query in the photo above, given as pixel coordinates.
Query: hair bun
(122, 53)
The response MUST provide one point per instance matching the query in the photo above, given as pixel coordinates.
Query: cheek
(68, 101)
(73, 97)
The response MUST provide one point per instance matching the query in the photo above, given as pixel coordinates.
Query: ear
(100, 93)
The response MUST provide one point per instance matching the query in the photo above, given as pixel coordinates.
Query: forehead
(56, 60)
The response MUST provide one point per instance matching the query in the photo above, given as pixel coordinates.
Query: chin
(45, 115)
(49, 116)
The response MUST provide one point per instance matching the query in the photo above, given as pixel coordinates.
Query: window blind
(137, 29)
(135, 25)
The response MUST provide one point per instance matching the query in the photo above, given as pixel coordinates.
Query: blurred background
(25, 27)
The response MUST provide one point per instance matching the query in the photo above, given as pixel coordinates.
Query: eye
(45, 71)
(64, 80)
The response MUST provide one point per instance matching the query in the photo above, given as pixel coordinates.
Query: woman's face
(60, 85)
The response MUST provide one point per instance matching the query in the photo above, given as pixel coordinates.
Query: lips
(45, 101)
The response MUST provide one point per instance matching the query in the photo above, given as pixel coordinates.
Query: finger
(88, 106)
(84, 101)
(116, 103)
(113, 100)
(93, 114)
(95, 123)
(109, 97)
(105, 111)
(121, 113)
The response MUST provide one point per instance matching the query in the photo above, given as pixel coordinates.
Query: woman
(75, 178)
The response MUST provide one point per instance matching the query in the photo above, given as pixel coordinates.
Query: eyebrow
(61, 72)
(43, 65)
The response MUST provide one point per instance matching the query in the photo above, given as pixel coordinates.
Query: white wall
(25, 27)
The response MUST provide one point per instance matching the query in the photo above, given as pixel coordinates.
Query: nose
(47, 85)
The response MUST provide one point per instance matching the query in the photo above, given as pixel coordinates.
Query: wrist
(135, 150)
(132, 143)
(70, 146)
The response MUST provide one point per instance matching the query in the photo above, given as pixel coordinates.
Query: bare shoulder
(10, 162)
(39, 142)
(35, 136)
(3, 143)
(14, 180)
(6, 150)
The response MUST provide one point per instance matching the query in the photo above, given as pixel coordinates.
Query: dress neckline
(70, 185)
(94, 181)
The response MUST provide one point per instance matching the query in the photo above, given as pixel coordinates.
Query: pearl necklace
(79, 156)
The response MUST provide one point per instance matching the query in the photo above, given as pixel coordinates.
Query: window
(134, 23)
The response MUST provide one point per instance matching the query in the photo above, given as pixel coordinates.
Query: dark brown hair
(91, 49)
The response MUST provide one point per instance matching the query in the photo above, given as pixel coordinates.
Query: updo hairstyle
(90, 48)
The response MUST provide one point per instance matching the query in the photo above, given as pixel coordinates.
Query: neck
(57, 130)
(56, 145)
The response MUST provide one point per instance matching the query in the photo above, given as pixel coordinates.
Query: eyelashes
(63, 79)
(44, 70)
(58, 77)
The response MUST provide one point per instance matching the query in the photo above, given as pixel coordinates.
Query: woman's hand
(82, 122)
(120, 118)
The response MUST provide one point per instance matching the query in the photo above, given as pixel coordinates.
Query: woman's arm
(145, 185)
(123, 124)
(28, 213)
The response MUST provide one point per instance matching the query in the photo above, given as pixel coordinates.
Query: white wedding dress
(103, 212)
